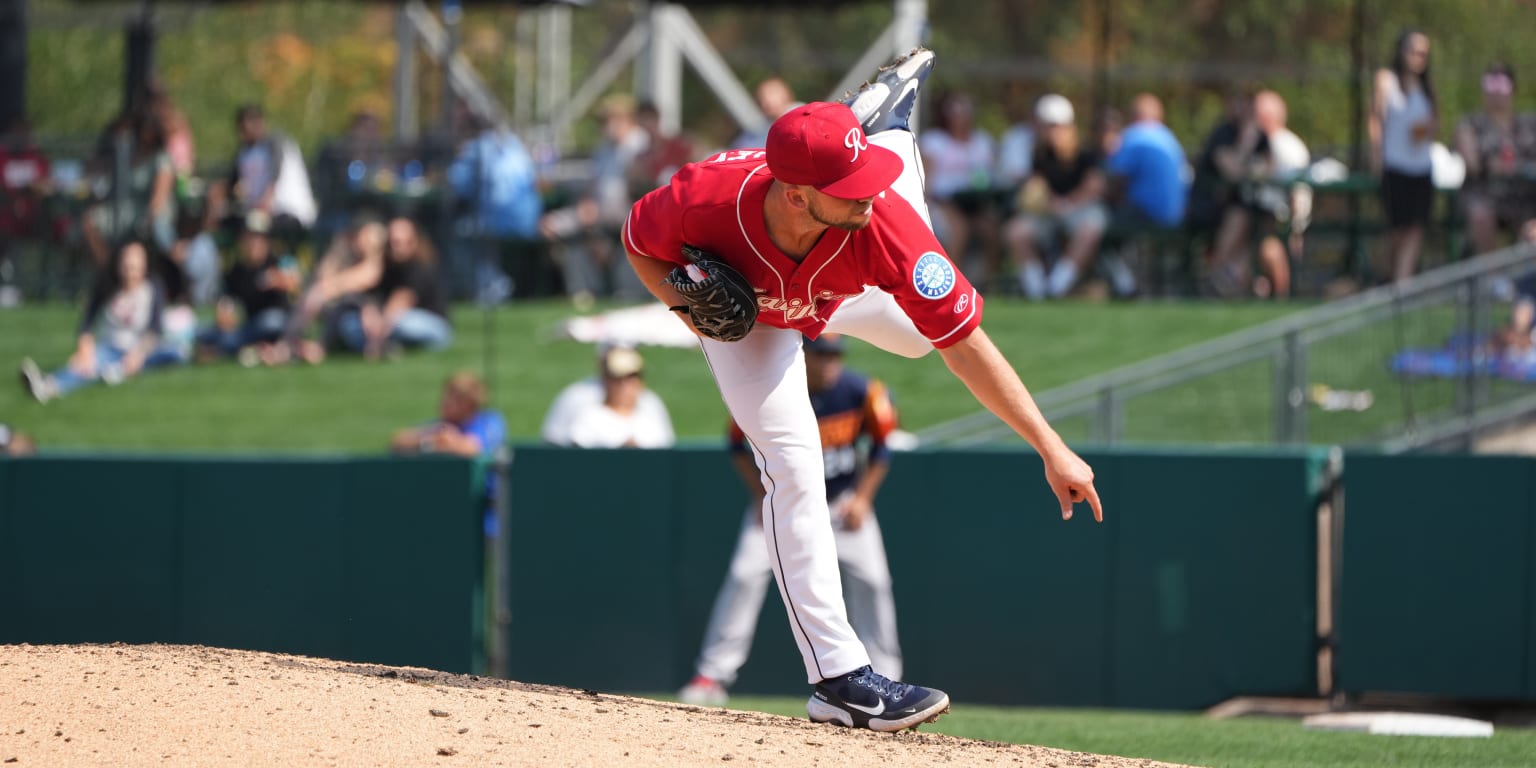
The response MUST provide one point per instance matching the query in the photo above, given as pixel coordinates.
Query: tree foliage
(314, 63)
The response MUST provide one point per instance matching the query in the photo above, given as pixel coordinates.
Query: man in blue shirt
(1147, 175)
(464, 427)
(1150, 163)
(495, 176)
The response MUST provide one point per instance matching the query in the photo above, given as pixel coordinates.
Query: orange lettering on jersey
(840, 428)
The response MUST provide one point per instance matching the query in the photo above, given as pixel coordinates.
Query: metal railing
(1402, 367)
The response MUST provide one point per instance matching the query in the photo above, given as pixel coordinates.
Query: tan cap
(619, 362)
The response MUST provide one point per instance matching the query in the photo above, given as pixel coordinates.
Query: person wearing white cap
(612, 410)
(1061, 202)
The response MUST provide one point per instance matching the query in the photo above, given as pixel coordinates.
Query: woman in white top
(1403, 124)
(958, 159)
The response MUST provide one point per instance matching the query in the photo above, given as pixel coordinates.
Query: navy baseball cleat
(887, 102)
(864, 699)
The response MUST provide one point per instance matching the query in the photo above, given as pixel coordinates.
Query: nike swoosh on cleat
(871, 711)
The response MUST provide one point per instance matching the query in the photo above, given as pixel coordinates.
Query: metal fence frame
(1287, 343)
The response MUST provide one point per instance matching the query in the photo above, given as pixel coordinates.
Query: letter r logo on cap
(855, 141)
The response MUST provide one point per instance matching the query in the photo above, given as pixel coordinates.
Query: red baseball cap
(821, 145)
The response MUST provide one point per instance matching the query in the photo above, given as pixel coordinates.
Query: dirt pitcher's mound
(163, 705)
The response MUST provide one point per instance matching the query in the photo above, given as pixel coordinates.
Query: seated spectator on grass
(15, 443)
(351, 267)
(1499, 148)
(253, 312)
(614, 410)
(464, 426)
(119, 335)
(1147, 179)
(406, 308)
(1061, 204)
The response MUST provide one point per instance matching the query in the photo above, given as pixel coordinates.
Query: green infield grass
(1193, 739)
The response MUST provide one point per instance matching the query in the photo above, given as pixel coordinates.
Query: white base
(1400, 724)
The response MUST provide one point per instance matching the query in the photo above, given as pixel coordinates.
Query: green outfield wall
(373, 560)
(1199, 585)
(1438, 590)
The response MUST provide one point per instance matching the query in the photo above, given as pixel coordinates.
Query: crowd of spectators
(364, 251)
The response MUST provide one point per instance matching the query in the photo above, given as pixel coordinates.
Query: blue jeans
(414, 328)
(267, 325)
(109, 365)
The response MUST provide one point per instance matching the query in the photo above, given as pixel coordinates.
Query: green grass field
(351, 405)
(1193, 739)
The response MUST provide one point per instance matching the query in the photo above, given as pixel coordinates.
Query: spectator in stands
(1499, 148)
(253, 312)
(15, 443)
(1219, 166)
(267, 175)
(1062, 202)
(344, 164)
(1261, 169)
(351, 267)
(585, 234)
(179, 142)
(406, 307)
(663, 155)
(24, 185)
(1147, 176)
(119, 335)
(1015, 156)
(774, 97)
(142, 201)
(1107, 129)
(614, 410)
(495, 178)
(1404, 121)
(958, 158)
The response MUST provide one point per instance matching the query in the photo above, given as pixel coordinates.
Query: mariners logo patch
(934, 276)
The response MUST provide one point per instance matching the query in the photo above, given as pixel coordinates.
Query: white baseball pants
(866, 585)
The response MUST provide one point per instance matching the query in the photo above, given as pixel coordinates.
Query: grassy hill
(351, 405)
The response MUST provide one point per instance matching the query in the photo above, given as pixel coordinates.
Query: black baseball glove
(721, 304)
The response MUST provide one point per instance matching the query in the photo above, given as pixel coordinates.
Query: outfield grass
(351, 405)
(1193, 739)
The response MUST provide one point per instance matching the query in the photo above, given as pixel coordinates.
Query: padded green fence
(1438, 591)
(1199, 586)
(375, 560)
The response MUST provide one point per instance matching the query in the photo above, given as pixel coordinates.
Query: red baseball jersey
(717, 205)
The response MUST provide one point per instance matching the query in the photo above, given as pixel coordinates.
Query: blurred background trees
(312, 64)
